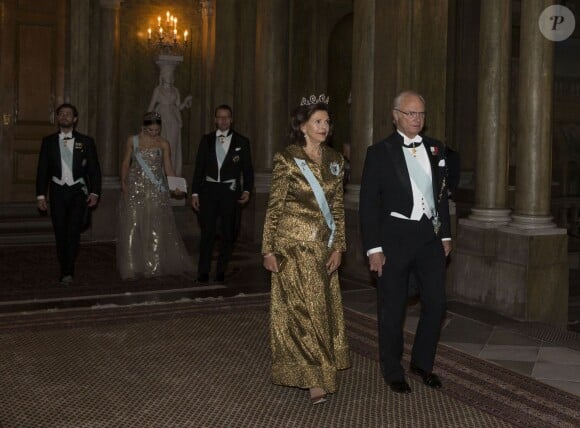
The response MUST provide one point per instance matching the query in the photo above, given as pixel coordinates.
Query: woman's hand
(270, 263)
(177, 193)
(333, 261)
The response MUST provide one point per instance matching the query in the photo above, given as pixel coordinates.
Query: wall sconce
(165, 39)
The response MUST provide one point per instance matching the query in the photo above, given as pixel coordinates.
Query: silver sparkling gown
(148, 243)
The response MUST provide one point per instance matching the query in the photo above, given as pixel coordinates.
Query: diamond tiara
(314, 100)
(152, 115)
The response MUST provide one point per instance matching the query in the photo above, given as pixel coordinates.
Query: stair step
(18, 210)
(16, 226)
(27, 239)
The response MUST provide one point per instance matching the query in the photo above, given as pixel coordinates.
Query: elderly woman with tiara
(302, 246)
(148, 242)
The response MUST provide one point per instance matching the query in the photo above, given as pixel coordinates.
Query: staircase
(21, 223)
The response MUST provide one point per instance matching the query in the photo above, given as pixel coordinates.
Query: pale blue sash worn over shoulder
(319, 195)
(157, 183)
(67, 158)
(421, 179)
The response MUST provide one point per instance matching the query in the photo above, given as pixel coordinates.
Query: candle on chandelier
(167, 16)
(159, 21)
(185, 36)
(149, 33)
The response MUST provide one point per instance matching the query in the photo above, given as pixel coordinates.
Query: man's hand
(244, 198)
(92, 200)
(376, 262)
(195, 202)
(447, 247)
(41, 204)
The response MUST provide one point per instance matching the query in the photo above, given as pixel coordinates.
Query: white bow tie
(66, 136)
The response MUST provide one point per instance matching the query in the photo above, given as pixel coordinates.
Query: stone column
(363, 67)
(271, 96)
(490, 208)
(362, 130)
(80, 52)
(104, 217)
(534, 155)
(520, 269)
(208, 59)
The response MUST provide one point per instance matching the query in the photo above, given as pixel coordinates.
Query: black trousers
(217, 201)
(410, 246)
(68, 211)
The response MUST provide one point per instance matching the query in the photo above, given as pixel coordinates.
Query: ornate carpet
(31, 272)
(206, 364)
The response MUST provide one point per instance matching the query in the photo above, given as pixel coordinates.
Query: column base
(355, 265)
(487, 218)
(105, 216)
(534, 224)
(514, 272)
(254, 214)
(351, 196)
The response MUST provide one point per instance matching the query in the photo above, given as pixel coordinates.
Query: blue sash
(319, 195)
(157, 183)
(421, 179)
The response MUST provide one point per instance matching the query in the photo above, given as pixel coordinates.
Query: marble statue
(167, 102)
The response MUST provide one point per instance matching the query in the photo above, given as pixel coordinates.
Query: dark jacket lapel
(234, 143)
(432, 149)
(393, 145)
(56, 155)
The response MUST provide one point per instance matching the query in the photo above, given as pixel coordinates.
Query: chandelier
(165, 39)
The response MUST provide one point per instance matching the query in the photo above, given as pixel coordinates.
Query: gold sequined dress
(307, 335)
(148, 242)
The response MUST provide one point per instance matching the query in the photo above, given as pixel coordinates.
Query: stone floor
(545, 353)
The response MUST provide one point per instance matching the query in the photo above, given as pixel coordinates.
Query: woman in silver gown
(148, 242)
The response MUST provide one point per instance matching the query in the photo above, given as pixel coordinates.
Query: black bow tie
(67, 138)
(412, 144)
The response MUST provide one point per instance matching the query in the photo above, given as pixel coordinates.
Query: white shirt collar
(225, 133)
(407, 140)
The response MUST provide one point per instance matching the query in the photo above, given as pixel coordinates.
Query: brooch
(434, 150)
(79, 146)
(334, 168)
(236, 159)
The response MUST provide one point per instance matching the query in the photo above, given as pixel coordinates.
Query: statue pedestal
(519, 273)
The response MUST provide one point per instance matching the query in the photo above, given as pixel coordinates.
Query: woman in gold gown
(302, 248)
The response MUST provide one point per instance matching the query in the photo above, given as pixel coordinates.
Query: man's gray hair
(398, 98)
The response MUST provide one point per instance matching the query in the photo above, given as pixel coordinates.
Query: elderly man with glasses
(405, 228)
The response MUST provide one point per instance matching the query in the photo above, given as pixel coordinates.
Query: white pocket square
(441, 162)
(238, 149)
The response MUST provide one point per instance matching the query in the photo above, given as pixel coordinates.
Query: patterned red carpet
(206, 364)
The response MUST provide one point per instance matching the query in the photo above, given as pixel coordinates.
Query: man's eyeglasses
(412, 114)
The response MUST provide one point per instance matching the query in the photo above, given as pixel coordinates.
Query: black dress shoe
(429, 379)
(203, 278)
(66, 280)
(400, 386)
(219, 278)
